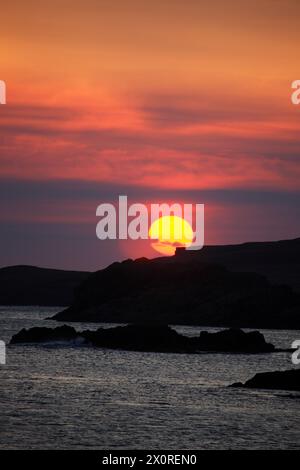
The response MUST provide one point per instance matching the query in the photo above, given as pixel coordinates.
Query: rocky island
(155, 338)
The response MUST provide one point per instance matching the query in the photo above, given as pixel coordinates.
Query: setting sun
(169, 232)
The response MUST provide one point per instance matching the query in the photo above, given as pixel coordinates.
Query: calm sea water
(63, 397)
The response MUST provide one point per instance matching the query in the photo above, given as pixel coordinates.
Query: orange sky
(179, 95)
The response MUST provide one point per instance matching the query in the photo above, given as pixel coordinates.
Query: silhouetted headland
(251, 285)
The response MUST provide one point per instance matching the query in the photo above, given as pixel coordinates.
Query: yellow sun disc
(169, 232)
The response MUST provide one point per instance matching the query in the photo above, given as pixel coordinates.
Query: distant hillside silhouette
(279, 261)
(29, 285)
(217, 286)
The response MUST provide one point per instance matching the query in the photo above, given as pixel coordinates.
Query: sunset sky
(176, 101)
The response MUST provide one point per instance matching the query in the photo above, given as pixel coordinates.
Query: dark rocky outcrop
(278, 380)
(183, 290)
(160, 338)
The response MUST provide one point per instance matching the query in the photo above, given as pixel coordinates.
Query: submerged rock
(278, 380)
(155, 338)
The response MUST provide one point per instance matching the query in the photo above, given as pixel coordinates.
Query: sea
(62, 396)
